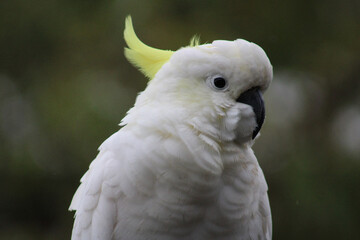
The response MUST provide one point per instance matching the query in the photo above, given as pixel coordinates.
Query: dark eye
(218, 82)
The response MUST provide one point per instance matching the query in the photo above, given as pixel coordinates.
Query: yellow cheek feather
(149, 60)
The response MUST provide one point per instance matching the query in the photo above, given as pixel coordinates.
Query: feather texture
(165, 188)
(148, 59)
(181, 167)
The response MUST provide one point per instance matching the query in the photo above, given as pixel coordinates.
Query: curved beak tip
(254, 98)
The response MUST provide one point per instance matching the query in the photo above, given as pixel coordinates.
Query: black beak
(253, 98)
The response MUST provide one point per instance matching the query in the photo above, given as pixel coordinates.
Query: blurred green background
(65, 85)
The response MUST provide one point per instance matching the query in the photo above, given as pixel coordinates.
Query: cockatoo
(181, 166)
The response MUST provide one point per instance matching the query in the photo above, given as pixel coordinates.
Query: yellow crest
(149, 60)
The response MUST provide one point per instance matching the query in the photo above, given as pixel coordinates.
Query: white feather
(181, 167)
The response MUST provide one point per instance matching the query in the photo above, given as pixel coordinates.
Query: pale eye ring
(218, 82)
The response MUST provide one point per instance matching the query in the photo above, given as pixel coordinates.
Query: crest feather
(149, 60)
(195, 41)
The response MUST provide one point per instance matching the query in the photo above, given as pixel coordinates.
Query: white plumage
(181, 166)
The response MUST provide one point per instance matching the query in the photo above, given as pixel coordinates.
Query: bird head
(216, 88)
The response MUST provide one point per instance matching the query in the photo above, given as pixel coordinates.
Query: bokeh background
(65, 85)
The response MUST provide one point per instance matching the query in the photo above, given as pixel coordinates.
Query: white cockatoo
(181, 166)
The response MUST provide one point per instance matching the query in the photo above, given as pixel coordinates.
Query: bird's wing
(264, 209)
(259, 225)
(96, 199)
(116, 177)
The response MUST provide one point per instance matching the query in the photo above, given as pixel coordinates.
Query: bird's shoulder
(123, 169)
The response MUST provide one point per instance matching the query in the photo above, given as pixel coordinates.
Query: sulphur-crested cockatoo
(181, 166)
